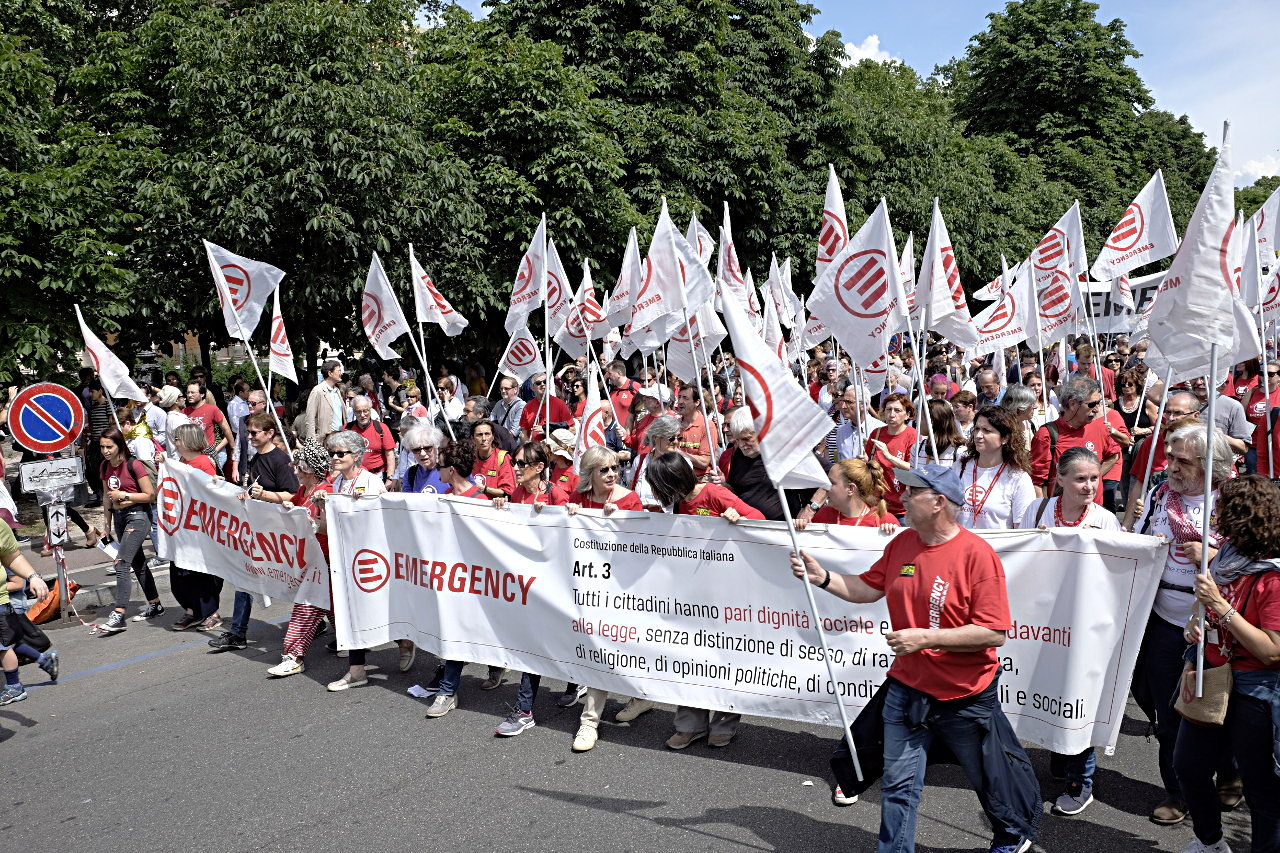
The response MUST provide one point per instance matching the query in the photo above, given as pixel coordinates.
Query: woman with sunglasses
(1139, 415)
(422, 442)
(599, 484)
(453, 407)
(577, 397)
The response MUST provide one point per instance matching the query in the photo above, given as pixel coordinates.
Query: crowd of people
(947, 448)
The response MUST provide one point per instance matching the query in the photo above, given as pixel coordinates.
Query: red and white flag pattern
(833, 234)
(629, 282)
(243, 286)
(558, 293)
(584, 321)
(531, 280)
(281, 358)
(700, 238)
(945, 308)
(1266, 220)
(1010, 320)
(115, 377)
(380, 312)
(591, 430)
(430, 305)
(1144, 234)
(674, 279)
(522, 358)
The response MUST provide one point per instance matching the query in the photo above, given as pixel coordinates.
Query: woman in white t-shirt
(1079, 473)
(995, 473)
(1046, 409)
(941, 422)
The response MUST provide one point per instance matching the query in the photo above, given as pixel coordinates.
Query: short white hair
(741, 421)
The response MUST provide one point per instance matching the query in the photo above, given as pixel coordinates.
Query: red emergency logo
(370, 570)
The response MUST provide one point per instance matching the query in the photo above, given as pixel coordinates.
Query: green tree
(1252, 197)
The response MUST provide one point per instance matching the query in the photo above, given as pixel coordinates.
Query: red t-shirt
(124, 476)
(550, 493)
(900, 446)
(302, 498)
(495, 472)
(205, 416)
(1116, 421)
(1138, 468)
(203, 463)
(533, 421)
(1092, 435)
(957, 583)
(714, 500)
(830, 515)
(1257, 411)
(636, 440)
(693, 439)
(1240, 390)
(472, 491)
(621, 399)
(565, 478)
(1261, 610)
(381, 439)
(630, 500)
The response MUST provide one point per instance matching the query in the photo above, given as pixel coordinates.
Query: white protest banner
(256, 546)
(243, 286)
(281, 359)
(689, 610)
(115, 377)
(1110, 314)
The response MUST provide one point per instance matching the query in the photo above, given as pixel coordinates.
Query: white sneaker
(633, 709)
(585, 739)
(346, 682)
(289, 665)
(442, 704)
(1198, 846)
(838, 797)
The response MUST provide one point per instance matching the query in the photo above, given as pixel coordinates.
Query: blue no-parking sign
(46, 418)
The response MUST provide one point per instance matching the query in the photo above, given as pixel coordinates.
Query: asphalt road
(150, 742)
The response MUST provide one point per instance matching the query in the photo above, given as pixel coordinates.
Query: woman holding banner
(1242, 621)
(598, 486)
(197, 593)
(532, 463)
(856, 498)
(995, 473)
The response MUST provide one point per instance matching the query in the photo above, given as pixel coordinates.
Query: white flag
(945, 308)
(788, 423)
(281, 360)
(700, 238)
(1250, 268)
(1058, 264)
(558, 291)
(1010, 320)
(773, 332)
(522, 358)
(1265, 220)
(430, 305)
(729, 273)
(244, 286)
(907, 269)
(674, 279)
(591, 430)
(993, 289)
(380, 313)
(110, 369)
(531, 280)
(795, 307)
(702, 334)
(630, 279)
(1122, 291)
(775, 287)
(860, 295)
(1144, 234)
(583, 318)
(1192, 310)
(833, 235)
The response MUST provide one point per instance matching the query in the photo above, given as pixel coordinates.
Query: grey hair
(260, 393)
(422, 435)
(1018, 397)
(408, 422)
(663, 426)
(190, 437)
(1072, 455)
(1195, 438)
(481, 405)
(1195, 401)
(593, 458)
(741, 421)
(1078, 388)
(347, 440)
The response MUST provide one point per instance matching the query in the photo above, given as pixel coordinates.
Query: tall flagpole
(1212, 392)
(254, 361)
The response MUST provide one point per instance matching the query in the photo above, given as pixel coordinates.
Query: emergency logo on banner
(370, 570)
(170, 500)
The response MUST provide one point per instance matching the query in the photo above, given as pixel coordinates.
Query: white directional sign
(50, 475)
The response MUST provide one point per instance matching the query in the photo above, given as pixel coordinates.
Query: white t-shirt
(1003, 501)
(1040, 417)
(365, 484)
(946, 455)
(1171, 605)
(1095, 517)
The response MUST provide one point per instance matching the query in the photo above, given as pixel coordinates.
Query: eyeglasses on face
(424, 449)
(254, 432)
(1095, 404)
(605, 469)
(256, 403)
(539, 382)
(519, 463)
(339, 454)
(443, 388)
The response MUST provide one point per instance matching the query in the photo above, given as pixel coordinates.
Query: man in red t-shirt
(693, 440)
(534, 418)
(380, 455)
(1258, 410)
(949, 610)
(1085, 367)
(622, 389)
(208, 417)
(1078, 426)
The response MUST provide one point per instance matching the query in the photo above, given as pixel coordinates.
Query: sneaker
(289, 665)
(156, 563)
(571, 696)
(1021, 847)
(634, 708)
(680, 740)
(114, 625)
(153, 608)
(442, 704)
(585, 739)
(212, 623)
(719, 740)
(1198, 846)
(186, 622)
(494, 681)
(12, 693)
(346, 682)
(1075, 799)
(226, 641)
(515, 723)
(838, 797)
(407, 654)
(1169, 812)
(49, 663)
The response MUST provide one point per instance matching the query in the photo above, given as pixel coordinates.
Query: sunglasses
(443, 388)
(519, 463)
(426, 449)
(605, 469)
(1095, 404)
(1273, 373)
(254, 432)
(415, 396)
(256, 403)
(339, 454)
(540, 382)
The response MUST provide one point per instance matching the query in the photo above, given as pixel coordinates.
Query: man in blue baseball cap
(949, 611)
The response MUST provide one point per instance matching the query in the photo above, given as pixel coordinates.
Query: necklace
(1059, 521)
(1130, 410)
(978, 505)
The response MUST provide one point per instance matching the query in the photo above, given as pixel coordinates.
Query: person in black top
(745, 474)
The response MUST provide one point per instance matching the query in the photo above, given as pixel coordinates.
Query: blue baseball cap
(940, 478)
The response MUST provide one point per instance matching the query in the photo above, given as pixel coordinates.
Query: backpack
(148, 470)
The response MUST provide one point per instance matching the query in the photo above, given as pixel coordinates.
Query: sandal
(92, 537)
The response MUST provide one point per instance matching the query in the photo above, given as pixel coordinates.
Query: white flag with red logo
(795, 309)
(875, 377)
(1144, 234)
(729, 273)
(559, 290)
(671, 280)
(945, 308)
(522, 358)
(629, 281)
(907, 269)
(1010, 320)
(833, 234)
(244, 286)
(1058, 264)
(1250, 267)
(1265, 220)
(700, 238)
(860, 295)
(591, 430)
(993, 289)
(380, 313)
(115, 377)
(788, 423)
(585, 319)
(531, 280)
(773, 332)
(1192, 311)
(702, 334)
(281, 360)
(1122, 292)
(430, 305)
(775, 289)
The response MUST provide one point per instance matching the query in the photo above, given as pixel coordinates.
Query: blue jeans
(528, 691)
(906, 748)
(240, 615)
(451, 678)
(1076, 769)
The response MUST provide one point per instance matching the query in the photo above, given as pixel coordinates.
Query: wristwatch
(815, 507)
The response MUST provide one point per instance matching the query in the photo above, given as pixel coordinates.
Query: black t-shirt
(390, 416)
(748, 480)
(273, 471)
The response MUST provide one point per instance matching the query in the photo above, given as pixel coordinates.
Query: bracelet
(1225, 618)
(825, 581)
